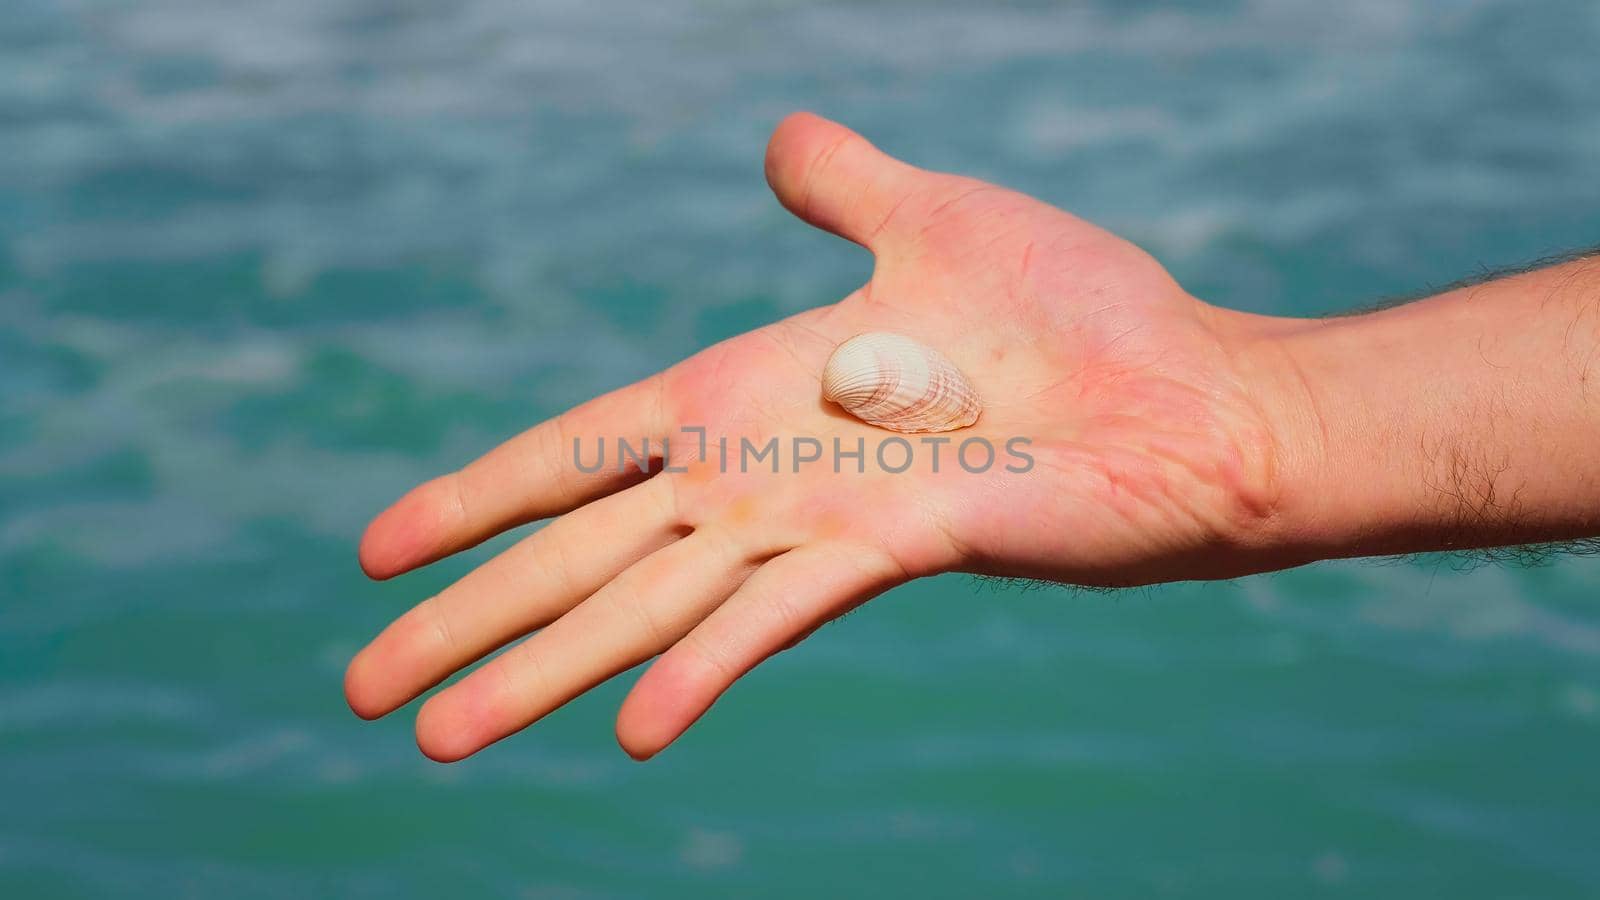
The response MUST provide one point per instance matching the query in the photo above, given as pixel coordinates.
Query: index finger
(532, 476)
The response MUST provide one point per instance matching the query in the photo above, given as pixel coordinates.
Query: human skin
(1172, 439)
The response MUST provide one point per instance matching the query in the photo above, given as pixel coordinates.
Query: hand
(1152, 460)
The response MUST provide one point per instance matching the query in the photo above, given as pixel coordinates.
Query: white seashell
(894, 382)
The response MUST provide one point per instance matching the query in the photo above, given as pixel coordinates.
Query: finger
(524, 588)
(785, 600)
(532, 476)
(653, 603)
(833, 178)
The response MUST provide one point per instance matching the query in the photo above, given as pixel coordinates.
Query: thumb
(833, 178)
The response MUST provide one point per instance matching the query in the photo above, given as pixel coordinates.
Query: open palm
(1149, 460)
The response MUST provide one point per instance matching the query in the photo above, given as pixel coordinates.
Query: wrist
(1292, 524)
(1342, 479)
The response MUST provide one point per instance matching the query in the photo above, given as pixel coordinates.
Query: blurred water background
(264, 265)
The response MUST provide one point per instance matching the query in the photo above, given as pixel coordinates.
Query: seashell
(894, 382)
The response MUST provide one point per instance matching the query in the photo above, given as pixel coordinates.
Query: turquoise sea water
(264, 265)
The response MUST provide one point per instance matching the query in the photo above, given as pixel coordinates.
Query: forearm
(1470, 419)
